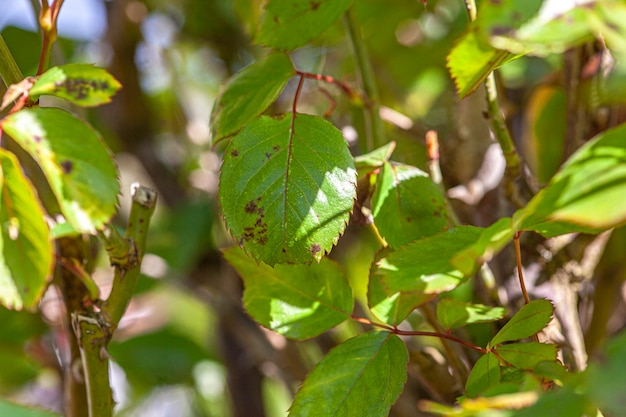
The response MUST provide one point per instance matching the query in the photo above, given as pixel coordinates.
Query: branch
(126, 253)
(92, 336)
(94, 329)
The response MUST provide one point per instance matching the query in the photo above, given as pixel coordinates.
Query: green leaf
(527, 355)
(407, 205)
(395, 307)
(375, 159)
(297, 301)
(564, 402)
(75, 160)
(15, 410)
(504, 17)
(289, 24)
(585, 194)
(548, 114)
(541, 37)
(424, 265)
(472, 60)
(606, 382)
(453, 314)
(484, 374)
(553, 371)
(369, 369)
(529, 320)
(26, 250)
(82, 84)
(491, 240)
(249, 93)
(286, 194)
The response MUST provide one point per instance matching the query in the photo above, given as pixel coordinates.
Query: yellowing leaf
(26, 250)
(74, 159)
(82, 84)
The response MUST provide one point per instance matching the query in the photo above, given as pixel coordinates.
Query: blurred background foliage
(185, 347)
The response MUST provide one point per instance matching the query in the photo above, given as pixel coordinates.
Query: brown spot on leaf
(500, 30)
(66, 166)
(268, 155)
(234, 153)
(80, 88)
(315, 5)
(276, 148)
(315, 249)
(251, 207)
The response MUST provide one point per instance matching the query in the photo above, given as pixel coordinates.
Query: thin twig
(345, 87)
(399, 332)
(520, 269)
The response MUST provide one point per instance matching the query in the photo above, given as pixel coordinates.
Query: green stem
(374, 129)
(48, 17)
(501, 132)
(93, 337)
(94, 329)
(9, 71)
(499, 128)
(127, 265)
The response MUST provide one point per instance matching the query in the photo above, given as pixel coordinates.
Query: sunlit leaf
(82, 84)
(249, 93)
(286, 194)
(392, 308)
(74, 159)
(424, 265)
(407, 205)
(297, 301)
(550, 32)
(472, 60)
(490, 242)
(586, 194)
(375, 159)
(453, 314)
(362, 377)
(527, 355)
(289, 24)
(528, 321)
(503, 17)
(26, 250)
(484, 374)
(15, 410)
